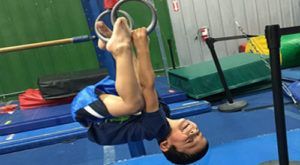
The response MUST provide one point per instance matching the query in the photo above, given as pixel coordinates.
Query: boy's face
(185, 136)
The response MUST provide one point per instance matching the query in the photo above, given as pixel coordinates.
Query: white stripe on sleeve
(93, 112)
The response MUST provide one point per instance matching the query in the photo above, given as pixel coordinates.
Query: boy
(135, 97)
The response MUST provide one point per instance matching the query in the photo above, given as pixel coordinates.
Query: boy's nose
(194, 131)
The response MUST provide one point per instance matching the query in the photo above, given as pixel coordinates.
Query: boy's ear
(164, 146)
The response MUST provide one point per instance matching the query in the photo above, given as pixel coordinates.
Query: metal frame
(92, 10)
(230, 106)
(273, 34)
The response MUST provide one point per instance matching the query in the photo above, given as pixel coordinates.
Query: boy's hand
(140, 39)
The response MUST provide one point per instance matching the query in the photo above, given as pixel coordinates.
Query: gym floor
(245, 137)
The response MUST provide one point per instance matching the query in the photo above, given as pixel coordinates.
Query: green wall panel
(166, 30)
(28, 21)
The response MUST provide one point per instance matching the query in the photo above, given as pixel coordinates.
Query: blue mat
(188, 108)
(40, 137)
(219, 128)
(25, 120)
(291, 74)
(246, 152)
(222, 128)
(168, 95)
(80, 152)
(260, 99)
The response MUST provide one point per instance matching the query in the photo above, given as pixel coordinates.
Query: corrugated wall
(219, 16)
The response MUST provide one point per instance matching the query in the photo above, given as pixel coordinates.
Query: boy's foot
(121, 37)
(105, 31)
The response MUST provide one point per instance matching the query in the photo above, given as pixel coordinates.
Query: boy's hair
(182, 158)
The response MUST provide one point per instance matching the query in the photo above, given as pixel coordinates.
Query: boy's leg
(102, 45)
(145, 69)
(130, 98)
(86, 108)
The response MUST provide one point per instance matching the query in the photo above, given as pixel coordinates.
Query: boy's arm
(145, 69)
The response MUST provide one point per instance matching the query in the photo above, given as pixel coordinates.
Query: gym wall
(29, 21)
(220, 16)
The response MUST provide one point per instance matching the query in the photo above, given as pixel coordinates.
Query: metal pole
(273, 39)
(171, 53)
(136, 149)
(161, 47)
(210, 43)
(47, 43)
(162, 51)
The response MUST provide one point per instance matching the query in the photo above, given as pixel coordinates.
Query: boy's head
(185, 144)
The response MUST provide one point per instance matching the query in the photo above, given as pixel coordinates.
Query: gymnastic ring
(101, 15)
(152, 25)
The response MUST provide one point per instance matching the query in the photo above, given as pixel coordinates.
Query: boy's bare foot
(121, 37)
(105, 31)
